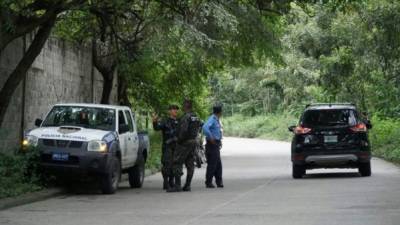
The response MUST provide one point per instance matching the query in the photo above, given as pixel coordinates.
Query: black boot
(209, 185)
(220, 184)
(187, 188)
(165, 178)
(188, 183)
(177, 187)
(165, 182)
(171, 181)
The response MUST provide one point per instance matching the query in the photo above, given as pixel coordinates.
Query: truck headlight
(97, 146)
(30, 141)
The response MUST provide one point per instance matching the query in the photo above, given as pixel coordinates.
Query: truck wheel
(109, 182)
(136, 174)
(365, 169)
(298, 171)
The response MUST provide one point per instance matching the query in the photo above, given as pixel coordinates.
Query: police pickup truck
(99, 141)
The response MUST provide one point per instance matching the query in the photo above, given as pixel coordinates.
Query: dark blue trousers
(214, 164)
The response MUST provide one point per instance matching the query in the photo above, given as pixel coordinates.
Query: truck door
(133, 140)
(123, 131)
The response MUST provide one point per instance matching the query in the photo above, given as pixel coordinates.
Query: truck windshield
(87, 117)
(331, 117)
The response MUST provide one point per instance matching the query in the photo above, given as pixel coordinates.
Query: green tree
(18, 18)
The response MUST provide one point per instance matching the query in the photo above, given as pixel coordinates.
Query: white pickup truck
(93, 140)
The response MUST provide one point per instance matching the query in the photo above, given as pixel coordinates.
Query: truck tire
(365, 169)
(110, 180)
(136, 174)
(298, 171)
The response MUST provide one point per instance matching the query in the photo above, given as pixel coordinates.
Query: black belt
(216, 141)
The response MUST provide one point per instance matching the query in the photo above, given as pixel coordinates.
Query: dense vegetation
(328, 54)
(19, 173)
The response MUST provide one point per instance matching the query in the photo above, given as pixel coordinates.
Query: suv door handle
(129, 139)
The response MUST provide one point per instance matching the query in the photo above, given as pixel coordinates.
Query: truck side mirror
(123, 128)
(38, 122)
(291, 128)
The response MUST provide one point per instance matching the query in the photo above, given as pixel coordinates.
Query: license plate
(60, 156)
(330, 139)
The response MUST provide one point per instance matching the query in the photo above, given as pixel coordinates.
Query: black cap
(170, 107)
(217, 109)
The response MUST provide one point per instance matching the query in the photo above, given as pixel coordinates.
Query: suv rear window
(329, 117)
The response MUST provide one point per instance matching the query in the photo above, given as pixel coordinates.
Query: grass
(272, 126)
(19, 173)
(385, 138)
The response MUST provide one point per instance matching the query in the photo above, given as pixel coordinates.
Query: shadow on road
(331, 175)
(80, 187)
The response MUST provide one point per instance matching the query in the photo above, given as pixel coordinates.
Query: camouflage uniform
(168, 128)
(187, 132)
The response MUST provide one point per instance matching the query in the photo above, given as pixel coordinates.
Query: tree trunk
(123, 98)
(108, 79)
(23, 66)
(105, 62)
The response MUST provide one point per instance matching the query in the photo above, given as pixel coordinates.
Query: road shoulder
(44, 194)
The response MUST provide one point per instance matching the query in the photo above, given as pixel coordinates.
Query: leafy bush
(154, 161)
(384, 137)
(271, 126)
(20, 173)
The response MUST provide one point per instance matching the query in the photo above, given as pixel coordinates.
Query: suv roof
(324, 106)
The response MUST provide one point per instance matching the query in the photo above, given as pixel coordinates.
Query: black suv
(331, 136)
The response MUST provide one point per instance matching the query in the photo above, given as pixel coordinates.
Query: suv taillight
(359, 128)
(302, 130)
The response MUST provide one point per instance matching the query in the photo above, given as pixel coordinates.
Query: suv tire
(109, 182)
(365, 169)
(298, 171)
(136, 174)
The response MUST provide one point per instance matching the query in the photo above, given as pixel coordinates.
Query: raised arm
(158, 125)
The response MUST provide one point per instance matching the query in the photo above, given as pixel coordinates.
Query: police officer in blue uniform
(212, 129)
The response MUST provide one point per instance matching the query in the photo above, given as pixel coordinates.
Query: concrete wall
(62, 73)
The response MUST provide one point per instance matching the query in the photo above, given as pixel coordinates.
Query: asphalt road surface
(258, 190)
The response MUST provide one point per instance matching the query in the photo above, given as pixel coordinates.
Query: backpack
(194, 127)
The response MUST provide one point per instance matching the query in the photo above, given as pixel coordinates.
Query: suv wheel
(136, 174)
(365, 169)
(109, 182)
(298, 171)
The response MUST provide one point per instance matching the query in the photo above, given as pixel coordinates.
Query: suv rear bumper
(331, 160)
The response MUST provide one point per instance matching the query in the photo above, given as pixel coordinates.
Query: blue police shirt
(212, 128)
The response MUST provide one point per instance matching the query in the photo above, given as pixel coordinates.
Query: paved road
(259, 190)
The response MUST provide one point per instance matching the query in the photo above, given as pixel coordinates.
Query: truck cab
(100, 141)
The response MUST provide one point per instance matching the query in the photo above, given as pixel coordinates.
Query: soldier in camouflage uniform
(168, 127)
(187, 133)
